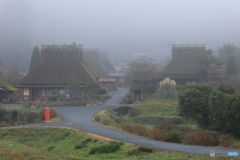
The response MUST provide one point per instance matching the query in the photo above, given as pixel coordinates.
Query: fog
(127, 26)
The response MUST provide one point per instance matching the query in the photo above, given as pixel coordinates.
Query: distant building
(184, 66)
(6, 90)
(109, 84)
(57, 64)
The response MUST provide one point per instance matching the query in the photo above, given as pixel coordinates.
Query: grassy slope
(34, 143)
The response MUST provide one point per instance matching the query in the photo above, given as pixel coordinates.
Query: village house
(6, 90)
(184, 66)
(58, 63)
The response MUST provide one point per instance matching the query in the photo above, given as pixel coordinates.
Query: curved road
(80, 118)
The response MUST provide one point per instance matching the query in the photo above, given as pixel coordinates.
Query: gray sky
(127, 26)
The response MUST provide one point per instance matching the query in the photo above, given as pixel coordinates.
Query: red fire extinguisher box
(47, 114)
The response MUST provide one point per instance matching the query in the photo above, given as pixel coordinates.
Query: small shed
(137, 93)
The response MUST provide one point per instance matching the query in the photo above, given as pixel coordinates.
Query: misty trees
(35, 58)
(206, 58)
(231, 69)
(229, 48)
(15, 39)
(141, 72)
(93, 88)
(214, 108)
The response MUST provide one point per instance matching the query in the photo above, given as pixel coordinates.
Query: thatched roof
(184, 62)
(103, 58)
(56, 67)
(5, 85)
(91, 61)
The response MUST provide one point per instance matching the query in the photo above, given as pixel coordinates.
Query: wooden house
(57, 65)
(93, 64)
(184, 66)
(6, 90)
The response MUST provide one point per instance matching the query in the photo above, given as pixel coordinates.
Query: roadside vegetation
(10, 117)
(50, 143)
(204, 114)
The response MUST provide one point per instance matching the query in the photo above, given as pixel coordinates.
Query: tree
(206, 58)
(231, 69)
(35, 58)
(229, 49)
(202, 75)
(194, 103)
(72, 87)
(93, 88)
(141, 71)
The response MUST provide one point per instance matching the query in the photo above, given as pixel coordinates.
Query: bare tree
(142, 72)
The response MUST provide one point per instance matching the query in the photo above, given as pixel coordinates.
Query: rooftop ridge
(188, 45)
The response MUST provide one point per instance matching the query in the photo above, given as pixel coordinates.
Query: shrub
(86, 141)
(150, 88)
(174, 136)
(135, 129)
(106, 122)
(194, 103)
(97, 118)
(80, 146)
(53, 98)
(95, 140)
(113, 146)
(51, 147)
(157, 134)
(201, 137)
(226, 140)
(121, 143)
(133, 152)
(165, 126)
(133, 112)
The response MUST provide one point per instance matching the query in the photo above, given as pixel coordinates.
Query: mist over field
(120, 27)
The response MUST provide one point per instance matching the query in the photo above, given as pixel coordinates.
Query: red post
(47, 114)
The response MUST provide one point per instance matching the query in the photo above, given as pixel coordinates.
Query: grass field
(54, 143)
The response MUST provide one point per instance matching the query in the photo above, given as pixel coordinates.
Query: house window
(190, 82)
(44, 92)
(26, 91)
(61, 91)
(49, 92)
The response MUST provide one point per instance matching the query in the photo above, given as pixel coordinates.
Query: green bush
(53, 98)
(86, 141)
(97, 118)
(95, 140)
(51, 147)
(113, 146)
(174, 136)
(80, 146)
(194, 103)
(150, 88)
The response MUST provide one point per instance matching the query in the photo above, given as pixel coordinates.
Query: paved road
(80, 118)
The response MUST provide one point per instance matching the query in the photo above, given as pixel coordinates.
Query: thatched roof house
(6, 89)
(184, 66)
(103, 58)
(57, 64)
(91, 61)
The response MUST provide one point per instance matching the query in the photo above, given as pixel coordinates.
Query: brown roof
(103, 58)
(184, 61)
(56, 67)
(91, 61)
